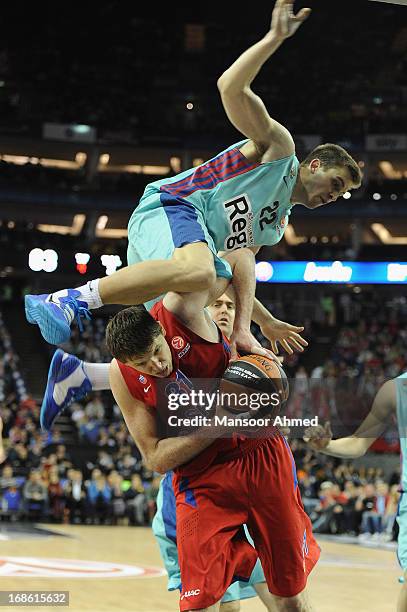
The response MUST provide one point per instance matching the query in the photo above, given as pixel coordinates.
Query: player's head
(135, 338)
(327, 173)
(223, 313)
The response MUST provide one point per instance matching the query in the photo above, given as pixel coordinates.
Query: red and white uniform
(234, 481)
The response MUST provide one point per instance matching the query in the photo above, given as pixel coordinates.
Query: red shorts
(259, 488)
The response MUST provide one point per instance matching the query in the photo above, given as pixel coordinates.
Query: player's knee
(230, 606)
(298, 603)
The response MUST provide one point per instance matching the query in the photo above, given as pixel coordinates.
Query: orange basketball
(250, 377)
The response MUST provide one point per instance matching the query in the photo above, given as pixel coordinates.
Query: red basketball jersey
(193, 357)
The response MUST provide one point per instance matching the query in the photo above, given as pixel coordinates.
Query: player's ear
(315, 164)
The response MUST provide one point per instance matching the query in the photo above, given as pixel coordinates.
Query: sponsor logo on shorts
(142, 379)
(240, 218)
(192, 593)
(178, 343)
(184, 351)
(304, 549)
(43, 567)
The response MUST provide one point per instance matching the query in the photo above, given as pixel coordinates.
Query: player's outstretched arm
(278, 332)
(159, 455)
(243, 107)
(384, 406)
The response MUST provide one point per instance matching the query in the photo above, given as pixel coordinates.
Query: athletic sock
(98, 374)
(88, 293)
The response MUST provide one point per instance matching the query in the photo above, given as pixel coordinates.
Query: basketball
(248, 381)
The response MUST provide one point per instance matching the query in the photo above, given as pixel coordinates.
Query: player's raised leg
(70, 379)
(190, 270)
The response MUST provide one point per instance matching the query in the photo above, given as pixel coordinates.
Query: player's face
(157, 361)
(325, 185)
(223, 313)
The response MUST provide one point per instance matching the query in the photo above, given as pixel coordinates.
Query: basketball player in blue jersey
(390, 402)
(240, 198)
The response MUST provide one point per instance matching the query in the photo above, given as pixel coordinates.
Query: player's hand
(318, 437)
(279, 332)
(283, 21)
(243, 340)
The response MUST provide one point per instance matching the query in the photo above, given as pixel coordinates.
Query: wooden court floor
(347, 578)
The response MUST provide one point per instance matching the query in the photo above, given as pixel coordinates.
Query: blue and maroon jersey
(241, 203)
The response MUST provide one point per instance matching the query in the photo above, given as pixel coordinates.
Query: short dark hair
(131, 333)
(331, 156)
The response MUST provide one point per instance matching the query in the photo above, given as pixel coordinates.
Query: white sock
(98, 374)
(89, 293)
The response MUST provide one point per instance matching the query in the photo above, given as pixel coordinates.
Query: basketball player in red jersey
(219, 484)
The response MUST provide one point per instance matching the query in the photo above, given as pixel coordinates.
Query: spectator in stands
(136, 501)
(7, 478)
(105, 461)
(57, 500)
(366, 504)
(75, 493)
(89, 429)
(11, 503)
(99, 497)
(115, 481)
(94, 409)
(351, 518)
(18, 457)
(127, 465)
(35, 497)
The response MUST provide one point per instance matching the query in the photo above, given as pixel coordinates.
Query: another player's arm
(356, 445)
(190, 307)
(244, 108)
(276, 331)
(159, 455)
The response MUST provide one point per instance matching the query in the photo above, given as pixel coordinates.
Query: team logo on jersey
(178, 343)
(240, 217)
(142, 379)
(184, 351)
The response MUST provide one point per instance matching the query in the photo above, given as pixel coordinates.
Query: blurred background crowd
(87, 121)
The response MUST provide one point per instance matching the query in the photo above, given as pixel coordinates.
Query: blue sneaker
(67, 382)
(54, 313)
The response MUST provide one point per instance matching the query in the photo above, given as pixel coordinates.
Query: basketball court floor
(110, 569)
